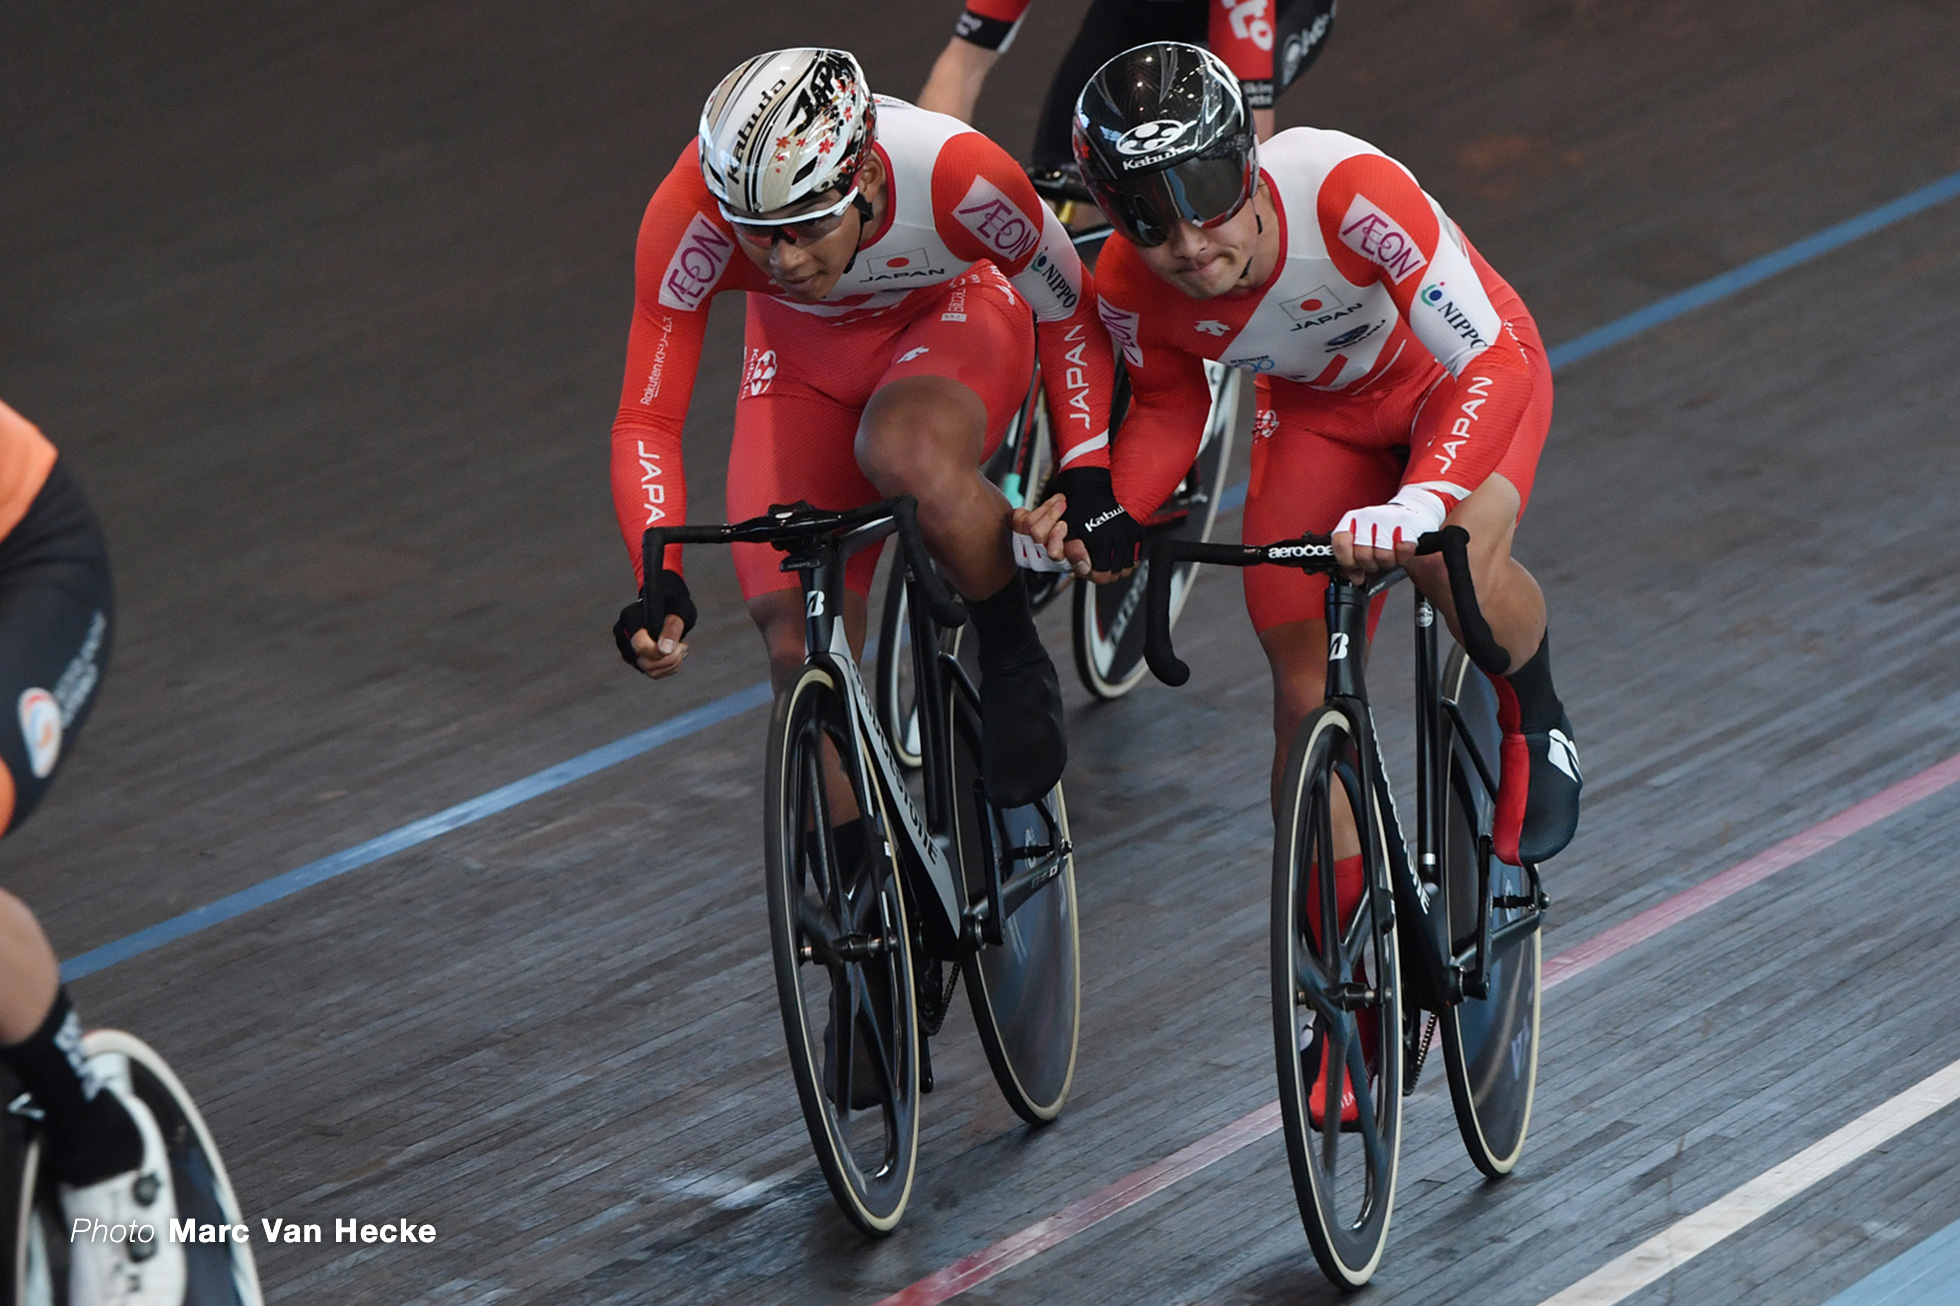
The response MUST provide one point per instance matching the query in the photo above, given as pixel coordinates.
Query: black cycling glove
(632, 617)
(1111, 535)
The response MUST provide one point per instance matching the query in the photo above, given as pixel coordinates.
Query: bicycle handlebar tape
(1157, 650)
(939, 600)
(1484, 650)
(653, 601)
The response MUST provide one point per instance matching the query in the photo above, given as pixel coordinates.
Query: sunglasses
(803, 230)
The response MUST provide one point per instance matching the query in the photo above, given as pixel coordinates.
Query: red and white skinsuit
(943, 286)
(1396, 357)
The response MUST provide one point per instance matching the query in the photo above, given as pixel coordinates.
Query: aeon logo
(1151, 136)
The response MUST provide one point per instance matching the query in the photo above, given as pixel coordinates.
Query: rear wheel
(896, 692)
(843, 958)
(1490, 1043)
(1337, 1006)
(1108, 619)
(1026, 987)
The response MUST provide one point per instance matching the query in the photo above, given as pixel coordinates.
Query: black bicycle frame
(1437, 975)
(818, 545)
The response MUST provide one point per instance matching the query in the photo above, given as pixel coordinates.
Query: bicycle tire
(1490, 1045)
(1106, 620)
(897, 704)
(216, 1274)
(1044, 587)
(1026, 992)
(868, 1154)
(1345, 1201)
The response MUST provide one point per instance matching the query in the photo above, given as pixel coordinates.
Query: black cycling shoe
(1023, 744)
(1551, 805)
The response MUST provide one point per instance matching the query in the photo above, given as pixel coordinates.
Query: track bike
(947, 885)
(1107, 635)
(217, 1273)
(1444, 941)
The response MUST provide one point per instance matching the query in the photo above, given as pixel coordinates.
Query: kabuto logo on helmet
(785, 127)
(1150, 137)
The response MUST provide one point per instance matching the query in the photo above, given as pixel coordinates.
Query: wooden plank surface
(327, 308)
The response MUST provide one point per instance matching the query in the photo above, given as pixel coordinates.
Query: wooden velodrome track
(327, 306)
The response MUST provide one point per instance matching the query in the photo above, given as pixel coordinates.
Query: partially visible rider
(1410, 387)
(1266, 44)
(56, 615)
(902, 275)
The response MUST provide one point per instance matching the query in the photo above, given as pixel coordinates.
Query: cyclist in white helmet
(902, 276)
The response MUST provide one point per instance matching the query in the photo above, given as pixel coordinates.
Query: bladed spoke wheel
(1337, 1004)
(843, 959)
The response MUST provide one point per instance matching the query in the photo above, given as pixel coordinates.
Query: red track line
(971, 1271)
(1638, 929)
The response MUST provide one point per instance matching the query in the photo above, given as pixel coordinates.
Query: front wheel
(842, 951)
(1108, 620)
(1025, 980)
(1337, 1002)
(1490, 1043)
(215, 1274)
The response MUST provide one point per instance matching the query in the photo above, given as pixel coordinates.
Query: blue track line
(417, 832)
(1926, 1275)
(743, 700)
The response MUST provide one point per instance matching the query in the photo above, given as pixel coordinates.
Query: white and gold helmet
(785, 126)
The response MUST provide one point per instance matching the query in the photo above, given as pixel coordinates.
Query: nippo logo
(1432, 294)
(1380, 239)
(40, 726)
(696, 265)
(1149, 137)
(992, 217)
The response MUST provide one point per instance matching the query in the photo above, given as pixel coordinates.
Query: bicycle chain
(1422, 1055)
(933, 1005)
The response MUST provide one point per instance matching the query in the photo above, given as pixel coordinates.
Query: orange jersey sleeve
(985, 208)
(686, 256)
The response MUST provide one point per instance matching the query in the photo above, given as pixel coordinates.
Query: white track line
(1682, 1242)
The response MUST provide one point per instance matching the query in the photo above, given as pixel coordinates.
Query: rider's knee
(1297, 654)
(916, 439)
(779, 617)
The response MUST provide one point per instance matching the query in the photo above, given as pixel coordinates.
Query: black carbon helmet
(1162, 132)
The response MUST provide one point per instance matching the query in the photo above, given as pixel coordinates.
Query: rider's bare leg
(1510, 599)
(29, 974)
(779, 615)
(923, 436)
(1297, 653)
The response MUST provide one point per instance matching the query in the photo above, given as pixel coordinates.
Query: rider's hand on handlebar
(1375, 539)
(1046, 526)
(663, 658)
